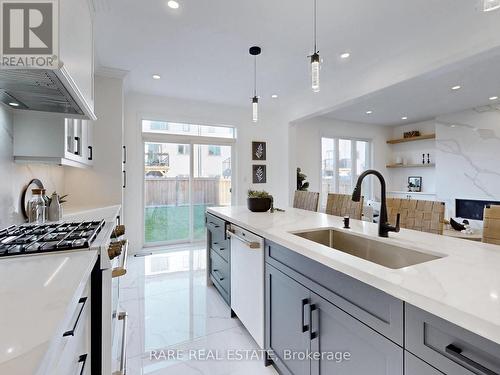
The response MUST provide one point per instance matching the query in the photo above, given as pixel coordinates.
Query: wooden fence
(175, 191)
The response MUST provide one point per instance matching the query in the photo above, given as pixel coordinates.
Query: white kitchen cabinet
(49, 138)
(71, 347)
(76, 48)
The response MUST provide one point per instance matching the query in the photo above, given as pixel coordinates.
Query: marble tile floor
(178, 325)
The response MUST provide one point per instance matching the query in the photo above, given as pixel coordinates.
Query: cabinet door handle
(71, 332)
(217, 273)
(456, 352)
(313, 310)
(77, 146)
(124, 179)
(91, 154)
(124, 154)
(82, 360)
(304, 327)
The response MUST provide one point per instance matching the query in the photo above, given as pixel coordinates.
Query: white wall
(102, 184)
(270, 128)
(468, 145)
(15, 176)
(306, 136)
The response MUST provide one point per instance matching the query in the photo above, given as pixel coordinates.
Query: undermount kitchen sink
(379, 252)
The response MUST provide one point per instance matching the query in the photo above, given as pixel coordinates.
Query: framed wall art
(259, 174)
(258, 150)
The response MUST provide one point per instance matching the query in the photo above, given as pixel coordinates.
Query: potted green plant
(259, 201)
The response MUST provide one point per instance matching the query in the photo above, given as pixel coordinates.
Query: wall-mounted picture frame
(415, 184)
(258, 150)
(259, 174)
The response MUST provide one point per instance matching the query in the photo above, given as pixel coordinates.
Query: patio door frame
(191, 141)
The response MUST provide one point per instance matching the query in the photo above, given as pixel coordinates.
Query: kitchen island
(450, 301)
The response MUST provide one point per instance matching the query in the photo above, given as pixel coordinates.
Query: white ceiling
(201, 49)
(430, 95)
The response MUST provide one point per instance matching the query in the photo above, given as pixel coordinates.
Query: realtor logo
(29, 33)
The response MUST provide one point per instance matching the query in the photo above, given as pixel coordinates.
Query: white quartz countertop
(36, 295)
(108, 213)
(463, 287)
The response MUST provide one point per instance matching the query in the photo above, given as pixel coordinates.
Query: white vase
(55, 210)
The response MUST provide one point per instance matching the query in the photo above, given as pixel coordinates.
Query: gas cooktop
(34, 239)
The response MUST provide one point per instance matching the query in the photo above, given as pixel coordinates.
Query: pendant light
(315, 59)
(255, 51)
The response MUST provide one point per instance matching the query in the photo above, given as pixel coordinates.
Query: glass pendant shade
(315, 72)
(490, 5)
(255, 109)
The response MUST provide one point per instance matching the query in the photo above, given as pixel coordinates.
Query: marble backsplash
(13, 177)
(468, 154)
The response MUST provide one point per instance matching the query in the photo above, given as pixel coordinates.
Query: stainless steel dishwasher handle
(250, 244)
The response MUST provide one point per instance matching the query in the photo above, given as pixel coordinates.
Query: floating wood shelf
(428, 165)
(419, 138)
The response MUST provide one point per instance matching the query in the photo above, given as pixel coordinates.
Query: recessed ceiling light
(404, 118)
(173, 4)
(369, 112)
(457, 87)
(493, 97)
(14, 104)
(274, 96)
(345, 55)
(453, 126)
(156, 76)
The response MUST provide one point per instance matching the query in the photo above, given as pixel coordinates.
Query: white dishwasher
(247, 280)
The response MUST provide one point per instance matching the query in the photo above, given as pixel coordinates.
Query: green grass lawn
(171, 223)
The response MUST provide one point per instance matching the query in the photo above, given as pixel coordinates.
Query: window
(342, 161)
(214, 150)
(158, 126)
(163, 127)
(182, 149)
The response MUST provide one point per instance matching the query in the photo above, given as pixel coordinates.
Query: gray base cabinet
(353, 347)
(288, 331)
(415, 366)
(219, 256)
(447, 347)
(309, 335)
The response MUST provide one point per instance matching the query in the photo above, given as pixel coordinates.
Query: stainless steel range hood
(43, 90)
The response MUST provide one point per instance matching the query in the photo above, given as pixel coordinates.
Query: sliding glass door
(166, 192)
(180, 181)
(211, 182)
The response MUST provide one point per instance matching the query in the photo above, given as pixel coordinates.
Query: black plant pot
(259, 204)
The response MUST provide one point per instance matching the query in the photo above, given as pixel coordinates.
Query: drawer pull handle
(71, 332)
(217, 273)
(82, 360)
(217, 247)
(456, 352)
(312, 310)
(304, 327)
